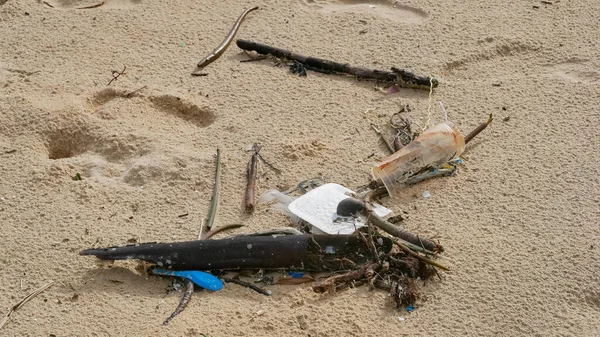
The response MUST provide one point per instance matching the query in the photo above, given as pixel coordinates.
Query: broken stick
(251, 185)
(478, 129)
(396, 76)
(217, 52)
(215, 196)
(185, 299)
(23, 301)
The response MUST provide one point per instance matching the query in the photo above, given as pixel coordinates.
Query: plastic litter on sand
(319, 208)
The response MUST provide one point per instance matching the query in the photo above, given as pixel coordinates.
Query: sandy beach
(519, 220)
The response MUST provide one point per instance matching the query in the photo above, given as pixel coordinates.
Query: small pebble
(426, 194)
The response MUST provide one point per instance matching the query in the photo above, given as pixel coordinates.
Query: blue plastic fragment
(200, 278)
(296, 274)
(410, 308)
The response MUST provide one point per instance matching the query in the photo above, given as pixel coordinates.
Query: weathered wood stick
(185, 299)
(396, 76)
(214, 201)
(297, 252)
(478, 129)
(404, 234)
(217, 52)
(247, 285)
(251, 185)
(331, 282)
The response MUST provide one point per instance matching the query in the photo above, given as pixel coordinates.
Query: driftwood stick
(387, 143)
(331, 283)
(403, 234)
(251, 184)
(422, 258)
(185, 299)
(219, 229)
(478, 129)
(217, 52)
(215, 196)
(248, 285)
(396, 76)
(22, 302)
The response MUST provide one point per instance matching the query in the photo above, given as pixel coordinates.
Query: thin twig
(251, 181)
(129, 95)
(402, 233)
(215, 196)
(258, 58)
(23, 72)
(248, 285)
(478, 129)
(116, 74)
(219, 229)
(422, 258)
(278, 171)
(389, 145)
(92, 6)
(22, 302)
(185, 299)
(201, 231)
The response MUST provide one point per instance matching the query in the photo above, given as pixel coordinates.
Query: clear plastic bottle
(436, 146)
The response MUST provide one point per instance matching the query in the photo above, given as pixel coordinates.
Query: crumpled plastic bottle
(436, 146)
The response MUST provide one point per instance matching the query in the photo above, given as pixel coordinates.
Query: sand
(519, 220)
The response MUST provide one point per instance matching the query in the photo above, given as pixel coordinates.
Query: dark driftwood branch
(296, 252)
(396, 76)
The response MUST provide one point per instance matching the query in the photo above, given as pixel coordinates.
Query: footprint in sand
(107, 104)
(114, 138)
(88, 4)
(497, 49)
(383, 8)
(576, 71)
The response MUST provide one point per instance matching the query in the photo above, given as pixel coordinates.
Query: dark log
(295, 252)
(397, 76)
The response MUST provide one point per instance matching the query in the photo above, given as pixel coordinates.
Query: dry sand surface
(519, 219)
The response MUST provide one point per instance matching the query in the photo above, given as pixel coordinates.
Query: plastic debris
(200, 278)
(401, 319)
(436, 146)
(410, 308)
(296, 274)
(426, 194)
(283, 202)
(319, 208)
